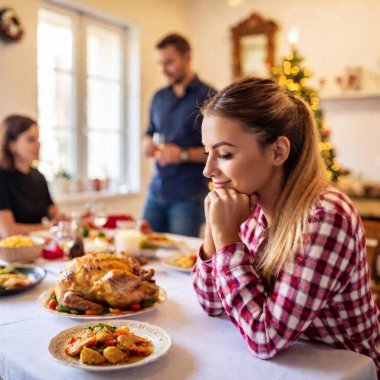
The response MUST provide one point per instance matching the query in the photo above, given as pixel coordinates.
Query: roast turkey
(96, 280)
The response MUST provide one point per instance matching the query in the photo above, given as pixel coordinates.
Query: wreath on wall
(11, 29)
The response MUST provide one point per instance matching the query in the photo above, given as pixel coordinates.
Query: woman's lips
(219, 185)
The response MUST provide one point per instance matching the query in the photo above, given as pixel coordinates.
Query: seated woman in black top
(24, 193)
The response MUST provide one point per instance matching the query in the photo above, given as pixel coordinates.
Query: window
(56, 92)
(82, 72)
(104, 94)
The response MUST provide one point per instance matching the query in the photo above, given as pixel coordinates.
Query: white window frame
(130, 165)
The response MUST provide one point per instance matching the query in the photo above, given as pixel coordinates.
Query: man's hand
(149, 148)
(170, 154)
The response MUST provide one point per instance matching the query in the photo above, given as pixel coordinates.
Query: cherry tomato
(52, 304)
(135, 306)
(91, 312)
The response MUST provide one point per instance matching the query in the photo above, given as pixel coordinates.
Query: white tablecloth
(203, 347)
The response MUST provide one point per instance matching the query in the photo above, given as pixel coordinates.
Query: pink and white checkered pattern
(323, 295)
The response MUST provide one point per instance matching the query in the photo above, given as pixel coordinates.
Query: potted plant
(62, 181)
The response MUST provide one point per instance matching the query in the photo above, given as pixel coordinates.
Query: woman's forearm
(208, 246)
(8, 225)
(20, 229)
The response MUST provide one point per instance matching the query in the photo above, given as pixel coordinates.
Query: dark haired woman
(24, 193)
(284, 252)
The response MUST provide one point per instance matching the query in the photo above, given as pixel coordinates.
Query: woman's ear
(281, 150)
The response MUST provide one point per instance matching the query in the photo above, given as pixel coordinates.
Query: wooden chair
(372, 230)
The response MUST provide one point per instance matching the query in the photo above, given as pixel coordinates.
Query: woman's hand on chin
(228, 209)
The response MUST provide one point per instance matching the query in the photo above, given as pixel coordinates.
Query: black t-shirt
(26, 195)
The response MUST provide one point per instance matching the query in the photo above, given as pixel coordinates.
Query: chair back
(372, 231)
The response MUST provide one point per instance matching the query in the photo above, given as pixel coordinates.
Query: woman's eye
(225, 156)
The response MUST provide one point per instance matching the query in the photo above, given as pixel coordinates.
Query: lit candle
(293, 37)
(96, 245)
(128, 241)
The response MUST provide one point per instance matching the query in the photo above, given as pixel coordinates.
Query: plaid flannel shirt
(323, 295)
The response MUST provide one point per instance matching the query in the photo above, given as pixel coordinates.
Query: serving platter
(160, 339)
(44, 297)
(35, 273)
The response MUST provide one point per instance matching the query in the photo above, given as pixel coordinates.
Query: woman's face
(235, 158)
(26, 148)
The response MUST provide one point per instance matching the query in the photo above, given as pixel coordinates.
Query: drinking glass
(65, 234)
(75, 217)
(99, 216)
(159, 140)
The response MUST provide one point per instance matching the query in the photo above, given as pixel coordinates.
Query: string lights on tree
(293, 77)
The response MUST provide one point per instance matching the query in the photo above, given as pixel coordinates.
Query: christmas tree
(294, 78)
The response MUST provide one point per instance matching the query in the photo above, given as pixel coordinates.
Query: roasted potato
(125, 342)
(114, 355)
(91, 357)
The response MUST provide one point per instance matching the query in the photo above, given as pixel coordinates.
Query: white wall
(334, 34)
(18, 64)
(355, 128)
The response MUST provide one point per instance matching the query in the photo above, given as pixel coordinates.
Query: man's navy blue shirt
(179, 120)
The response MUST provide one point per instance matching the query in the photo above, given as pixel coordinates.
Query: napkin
(52, 251)
(112, 219)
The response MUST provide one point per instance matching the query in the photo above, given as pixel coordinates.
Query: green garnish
(146, 245)
(53, 296)
(76, 312)
(85, 232)
(149, 302)
(64, 309)
(9, 269)
(101, 235)
(101, 326)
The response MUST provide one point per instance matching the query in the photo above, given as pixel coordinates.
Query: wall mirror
(253, 47)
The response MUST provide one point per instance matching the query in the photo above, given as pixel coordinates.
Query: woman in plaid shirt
(284, 252)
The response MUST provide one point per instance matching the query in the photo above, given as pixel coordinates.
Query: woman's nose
(209, 169)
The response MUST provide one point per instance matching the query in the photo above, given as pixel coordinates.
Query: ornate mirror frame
(253, 25)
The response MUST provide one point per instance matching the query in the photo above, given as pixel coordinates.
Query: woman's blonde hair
(263, 108)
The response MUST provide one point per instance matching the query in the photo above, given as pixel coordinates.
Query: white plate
(166, 263)
(35, 274)
(148, 253)
(45, 234)
(164, 244)
(159, 337)
(151, 253)
(43, 297)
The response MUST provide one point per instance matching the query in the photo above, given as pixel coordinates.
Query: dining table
(203, 347)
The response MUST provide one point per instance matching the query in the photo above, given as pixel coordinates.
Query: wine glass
(99, 216)
(75, 217)
(64, 234)
(159, 141)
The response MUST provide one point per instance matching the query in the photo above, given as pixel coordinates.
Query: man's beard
(178, 80)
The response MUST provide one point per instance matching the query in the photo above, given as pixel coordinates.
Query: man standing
(178, 187)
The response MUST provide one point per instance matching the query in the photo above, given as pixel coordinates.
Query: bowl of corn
(20, 248)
